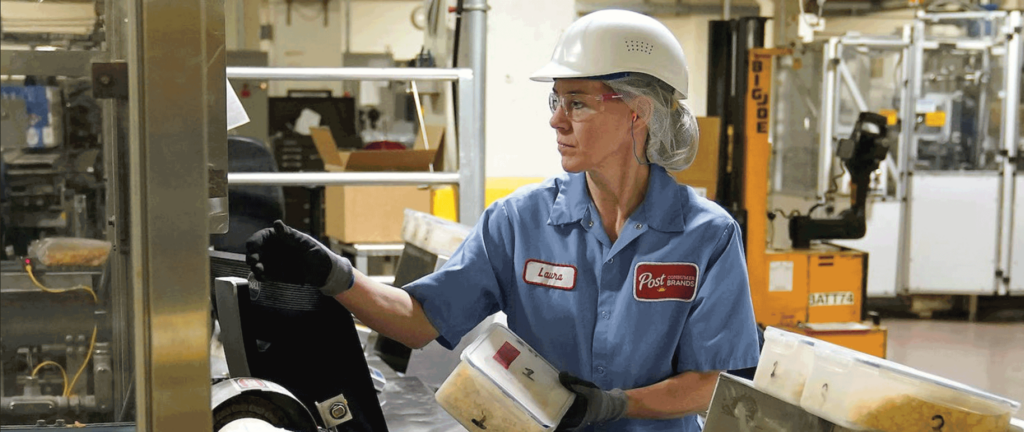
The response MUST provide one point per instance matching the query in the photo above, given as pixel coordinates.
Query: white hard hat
(610, 42)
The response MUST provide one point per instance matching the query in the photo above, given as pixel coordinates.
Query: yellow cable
(50, 363)
(28, 268)
(92, 341)
(88, 355)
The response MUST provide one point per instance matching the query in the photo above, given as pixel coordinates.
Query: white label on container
(560, 276)
(248, 383)
(780, 276)
(926, 106)
(838, 298)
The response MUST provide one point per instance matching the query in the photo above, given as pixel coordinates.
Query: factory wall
(521, 37)
(310, 40)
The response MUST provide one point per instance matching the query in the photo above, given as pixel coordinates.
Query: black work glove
(592, 405)
(283, 254)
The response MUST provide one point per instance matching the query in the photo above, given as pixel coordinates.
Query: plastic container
(502, 384)
(785, 363)
(863, 392)
(69, 251)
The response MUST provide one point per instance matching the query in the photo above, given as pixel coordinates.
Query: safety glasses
(579, 107)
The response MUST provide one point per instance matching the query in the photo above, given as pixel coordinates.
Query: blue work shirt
(670, 295)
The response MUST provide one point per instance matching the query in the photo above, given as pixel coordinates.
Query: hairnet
(671, 127)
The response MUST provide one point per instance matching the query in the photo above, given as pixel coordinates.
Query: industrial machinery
(77, 346)
(272, 332)
(53, 169)
(952, 81)
(58, 356)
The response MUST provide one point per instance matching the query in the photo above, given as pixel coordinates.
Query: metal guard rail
(469, 178)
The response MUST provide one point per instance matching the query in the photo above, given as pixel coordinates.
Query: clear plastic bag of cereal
(70, 252)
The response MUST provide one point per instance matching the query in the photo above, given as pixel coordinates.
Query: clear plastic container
(785, 363)
(502, 384)
(863, 392)
(70, 251)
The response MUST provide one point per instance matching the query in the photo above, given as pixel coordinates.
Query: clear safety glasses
(579, 107)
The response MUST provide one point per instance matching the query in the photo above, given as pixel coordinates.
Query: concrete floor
(989, 356)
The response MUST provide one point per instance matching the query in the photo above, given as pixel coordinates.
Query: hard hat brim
(553, 70)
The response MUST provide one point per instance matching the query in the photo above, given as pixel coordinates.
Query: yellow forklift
(814, 288)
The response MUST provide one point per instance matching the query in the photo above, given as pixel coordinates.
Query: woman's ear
(642, 111)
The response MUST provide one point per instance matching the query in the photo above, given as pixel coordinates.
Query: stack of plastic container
(502, 384)
(862, 392)
(785, 363)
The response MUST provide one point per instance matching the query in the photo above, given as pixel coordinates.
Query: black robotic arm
(861, 154)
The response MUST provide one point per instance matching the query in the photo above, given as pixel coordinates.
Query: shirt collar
(572, 202)
(662, 208)
(666, 201)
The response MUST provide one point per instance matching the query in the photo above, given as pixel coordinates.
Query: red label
(665, 281)
(506, 355)
(250, 383)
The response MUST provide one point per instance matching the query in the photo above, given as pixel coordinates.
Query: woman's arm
(682, 395)
(390, 311)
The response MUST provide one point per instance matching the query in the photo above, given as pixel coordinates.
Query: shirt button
(600, 370)
(611, 260)
(605, 314)
(590, 223)
(638, 226)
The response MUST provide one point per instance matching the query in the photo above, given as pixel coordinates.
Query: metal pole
(1010, 135)
(969, 15)
(115, 222)
(827, 119)
(914, 33)
(240, 23)
(173, 46)
(873, 42)
(348, 26)
(342, 178)
(340, 74)
(726, 9)
(472, 154)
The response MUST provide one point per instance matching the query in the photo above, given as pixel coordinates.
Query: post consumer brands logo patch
(560, 276)
(665, 281)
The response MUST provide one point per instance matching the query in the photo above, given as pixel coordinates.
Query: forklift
(815, 288)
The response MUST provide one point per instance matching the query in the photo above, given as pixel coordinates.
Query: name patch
(559, 276)
(665, 281)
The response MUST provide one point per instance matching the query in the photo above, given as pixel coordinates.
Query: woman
(628, 282)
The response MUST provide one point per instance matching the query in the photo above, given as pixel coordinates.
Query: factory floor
(986, 355)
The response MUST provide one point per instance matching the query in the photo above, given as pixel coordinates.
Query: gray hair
(671, 127)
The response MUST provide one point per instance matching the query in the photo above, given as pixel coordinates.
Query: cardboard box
(703, 173)
(370, 214)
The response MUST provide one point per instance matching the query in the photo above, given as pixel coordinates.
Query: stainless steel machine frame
(976, 230)
(164, 153)
(163, 143)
